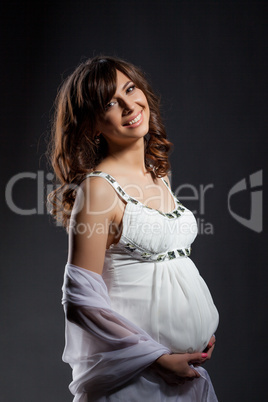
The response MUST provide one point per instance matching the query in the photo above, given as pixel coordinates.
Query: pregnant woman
(140, 320)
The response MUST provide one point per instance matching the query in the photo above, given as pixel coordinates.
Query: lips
(136, 119)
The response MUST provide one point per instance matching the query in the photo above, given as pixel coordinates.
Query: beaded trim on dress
(131, 247)
(176, 213)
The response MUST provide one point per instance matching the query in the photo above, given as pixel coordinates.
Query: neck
(130, 157)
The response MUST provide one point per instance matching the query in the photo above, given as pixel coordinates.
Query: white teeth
(135, 120)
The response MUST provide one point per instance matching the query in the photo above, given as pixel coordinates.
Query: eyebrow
(126, 84)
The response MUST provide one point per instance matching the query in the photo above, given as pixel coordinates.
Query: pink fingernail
(204, 355)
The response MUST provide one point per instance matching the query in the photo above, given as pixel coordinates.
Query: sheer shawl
(104, 349)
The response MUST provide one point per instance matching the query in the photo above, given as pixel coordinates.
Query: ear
(97, 134)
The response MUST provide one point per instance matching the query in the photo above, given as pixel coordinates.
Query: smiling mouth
(137, 118)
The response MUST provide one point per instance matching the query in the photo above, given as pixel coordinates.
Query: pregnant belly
(186, 315)
(169, 300)
(186, 322)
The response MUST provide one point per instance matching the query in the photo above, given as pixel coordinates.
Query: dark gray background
(208, 60)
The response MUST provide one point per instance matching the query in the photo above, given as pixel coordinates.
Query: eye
(109, 105)
(131, 88)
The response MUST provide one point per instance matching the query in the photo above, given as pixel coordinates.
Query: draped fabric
(104, 349)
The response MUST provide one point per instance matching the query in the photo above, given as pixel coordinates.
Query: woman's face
(127, 114)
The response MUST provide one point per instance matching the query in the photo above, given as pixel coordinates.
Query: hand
(175, 368)
(208, 350)
(211, 343)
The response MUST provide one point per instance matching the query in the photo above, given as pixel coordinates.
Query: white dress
(151, 281)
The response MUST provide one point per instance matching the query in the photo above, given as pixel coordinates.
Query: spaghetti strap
(167, 185)
(176, 201)
(178, 210)
(112, 181)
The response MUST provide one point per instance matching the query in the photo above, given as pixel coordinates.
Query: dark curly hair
(72, 151)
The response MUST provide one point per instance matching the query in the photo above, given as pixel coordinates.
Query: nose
(127, 105)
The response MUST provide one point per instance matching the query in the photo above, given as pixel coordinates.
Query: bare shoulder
(97, 188)
(96, 195)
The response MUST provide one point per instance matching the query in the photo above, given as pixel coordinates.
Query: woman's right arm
(96, 207)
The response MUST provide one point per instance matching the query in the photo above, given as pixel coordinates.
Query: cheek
(145, 103)
(141, 97)
(108, 123)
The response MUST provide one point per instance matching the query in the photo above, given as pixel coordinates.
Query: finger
(188, 372)
(196, 358)
(191, 379)
(196, 374)
(212, 341)
(191, 373)
(209, 353)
